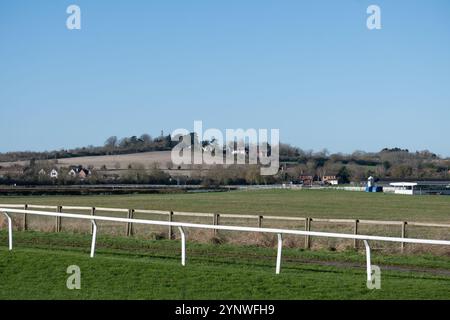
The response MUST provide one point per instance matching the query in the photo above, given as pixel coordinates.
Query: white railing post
(280, 248)
(183, 246)
(94, 237)
(10, 231)
(368, 260)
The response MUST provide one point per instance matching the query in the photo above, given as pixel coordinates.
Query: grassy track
(313, 203)
(127, 268)
(132, 268)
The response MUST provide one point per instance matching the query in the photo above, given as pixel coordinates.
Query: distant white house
(54, 174)
(79, 172)
(42, 172)
(331, 180)
(73, 173)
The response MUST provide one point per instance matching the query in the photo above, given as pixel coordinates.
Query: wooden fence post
(403, 235)
(92, 214)
(355, 242)
(216, 222)
(170, 227)
(58, 220)
(129, 224)
(260, 219)
(308, 237)
(25, 218)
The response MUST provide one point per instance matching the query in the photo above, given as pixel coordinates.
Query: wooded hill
(389, 163)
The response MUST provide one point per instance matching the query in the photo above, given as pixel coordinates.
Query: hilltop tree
(146, 139)
(111, 143)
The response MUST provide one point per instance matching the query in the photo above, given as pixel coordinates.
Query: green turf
(128, 268)
(302, 203)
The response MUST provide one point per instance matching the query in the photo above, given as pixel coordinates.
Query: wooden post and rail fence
(216, 219)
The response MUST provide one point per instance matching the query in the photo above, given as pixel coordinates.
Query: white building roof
(404, 184)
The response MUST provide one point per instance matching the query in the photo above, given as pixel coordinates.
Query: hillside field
(146, 158)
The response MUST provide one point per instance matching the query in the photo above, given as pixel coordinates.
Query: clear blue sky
(310, 68)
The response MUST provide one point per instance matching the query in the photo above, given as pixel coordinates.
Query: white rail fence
(216, 218)
(181, 227)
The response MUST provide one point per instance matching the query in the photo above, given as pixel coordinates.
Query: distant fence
(355, 226)
(181, 226)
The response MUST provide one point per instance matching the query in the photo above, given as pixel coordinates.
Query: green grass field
(302, 203)
(138, 268)
(127, 268)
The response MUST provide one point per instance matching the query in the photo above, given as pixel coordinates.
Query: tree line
(112, 146)
(387, 164)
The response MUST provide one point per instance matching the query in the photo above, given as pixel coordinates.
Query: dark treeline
(112, 146)
(387, 164)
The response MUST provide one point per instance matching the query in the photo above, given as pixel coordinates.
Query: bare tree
(111, 142)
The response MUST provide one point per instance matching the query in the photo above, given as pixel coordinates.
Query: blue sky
(310, 68)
